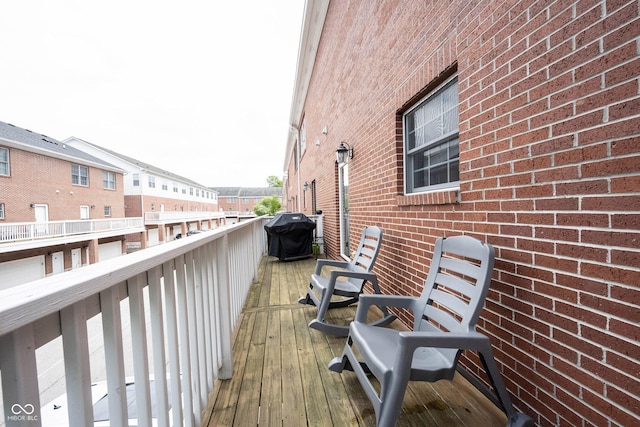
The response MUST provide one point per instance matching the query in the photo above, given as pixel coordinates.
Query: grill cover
(290, 235)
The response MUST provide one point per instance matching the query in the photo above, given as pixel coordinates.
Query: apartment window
(136, 179)
(165, 185)
(175, 187)
(108, 180)
(152, 182)
(1, 210)
(231, 200)
(80, 175)
(184, 190)
(197, 192)
(431, 141)
(4, 161)
(245, 201)
(191, 191)
(107, 211)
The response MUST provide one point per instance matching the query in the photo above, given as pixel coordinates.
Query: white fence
(189, 293)
(18, 231)
(179, 216)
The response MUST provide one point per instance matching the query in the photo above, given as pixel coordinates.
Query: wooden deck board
(280, 374)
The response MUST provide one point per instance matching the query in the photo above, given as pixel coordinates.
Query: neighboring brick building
(517, 122)
(60, 208)
(169, 203)
(243, 199)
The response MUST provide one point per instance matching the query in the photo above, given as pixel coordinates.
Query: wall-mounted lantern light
(343, 151)
(305, 187)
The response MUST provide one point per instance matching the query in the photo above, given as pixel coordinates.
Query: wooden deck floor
(280, 375)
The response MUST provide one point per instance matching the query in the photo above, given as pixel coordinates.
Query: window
(1, 210)
(431, 141)
(191, 191)
(108, 180)
(184, 190)
(107, 211)
(152, 182)
(136, 179)
(80, 175)
(245, 201)
(165, 186)
(4, 161)
(231, 200)
(175, 187)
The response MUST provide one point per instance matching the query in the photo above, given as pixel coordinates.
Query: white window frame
(108, 180)
(151, 181)
(136, 180)
(1, 210)
(77, 176)
(447, 140)
(107, 211)
(5, 164)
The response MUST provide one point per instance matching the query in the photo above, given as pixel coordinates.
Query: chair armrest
(367, 300)
(329, 262)
(462, 340)
(371, 277)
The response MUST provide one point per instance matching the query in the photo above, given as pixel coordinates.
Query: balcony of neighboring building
(15, 236)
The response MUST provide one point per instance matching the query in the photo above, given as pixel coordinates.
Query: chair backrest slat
(457, 284)
(367, 252)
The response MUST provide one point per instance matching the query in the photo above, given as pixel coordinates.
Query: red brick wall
(39, 179)
(549, 112)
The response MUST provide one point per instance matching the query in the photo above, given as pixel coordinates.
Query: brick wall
(39, 179)
(549, 120)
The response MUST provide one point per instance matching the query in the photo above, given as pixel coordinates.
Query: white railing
(179, 216)
(184, 299)
(20, 231)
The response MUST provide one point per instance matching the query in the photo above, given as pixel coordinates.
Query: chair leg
(329, 329)
(305, 300)
(516, 419)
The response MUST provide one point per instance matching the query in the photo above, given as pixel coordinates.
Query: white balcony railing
(183, 298)
(179, 216)
(21, 231)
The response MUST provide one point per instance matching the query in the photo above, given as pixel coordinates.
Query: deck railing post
(76, 362)
(224, 295)
(20, 378)
(158, 344)
(140, 350)
(114, 358)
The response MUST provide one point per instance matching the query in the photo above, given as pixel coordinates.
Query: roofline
(141, 166)
(315, 12)
(50, 153)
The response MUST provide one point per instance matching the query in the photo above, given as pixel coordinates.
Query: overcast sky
(200, 88)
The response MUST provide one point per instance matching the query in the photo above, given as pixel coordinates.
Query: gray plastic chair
(328, 292)
(445, 317)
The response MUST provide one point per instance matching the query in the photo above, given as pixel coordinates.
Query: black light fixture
(305, 187)
(343, 151)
